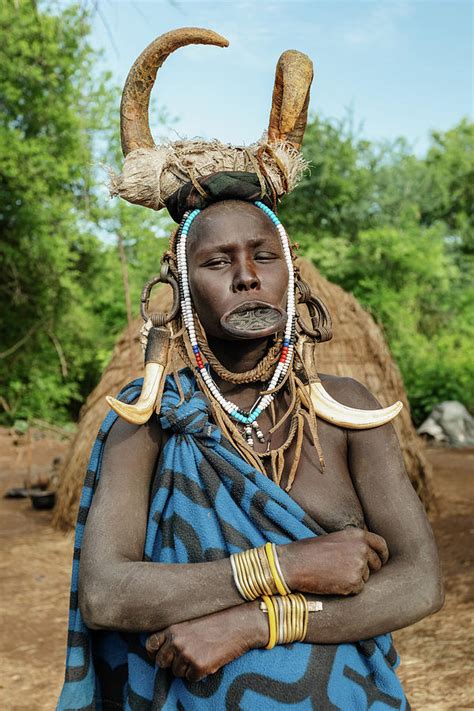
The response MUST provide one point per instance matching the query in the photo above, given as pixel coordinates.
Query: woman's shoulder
(349, 391)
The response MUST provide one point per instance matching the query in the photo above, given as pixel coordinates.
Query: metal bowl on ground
(43, 499)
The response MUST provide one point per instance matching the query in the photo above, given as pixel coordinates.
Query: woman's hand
(336, 564)
(199, 647)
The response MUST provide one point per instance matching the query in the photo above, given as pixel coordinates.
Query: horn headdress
(188, 174)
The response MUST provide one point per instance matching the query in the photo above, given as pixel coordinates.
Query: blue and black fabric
(206, 503)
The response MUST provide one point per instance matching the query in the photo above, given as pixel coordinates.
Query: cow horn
(134, 127)
(294, 74)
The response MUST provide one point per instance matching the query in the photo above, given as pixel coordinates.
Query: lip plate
(252, 333)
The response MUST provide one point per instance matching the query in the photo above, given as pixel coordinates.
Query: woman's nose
(245, 279)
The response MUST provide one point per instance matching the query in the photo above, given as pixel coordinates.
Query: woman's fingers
(194, 674)
(378, 544)
(154, 642)
(179, 666)
(373, 561)
(166, 655)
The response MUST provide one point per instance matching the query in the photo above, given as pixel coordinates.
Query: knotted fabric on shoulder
(206, 502)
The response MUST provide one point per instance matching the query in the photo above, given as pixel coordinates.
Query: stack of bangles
(257, 574)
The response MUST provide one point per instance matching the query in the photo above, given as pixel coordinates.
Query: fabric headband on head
(214, 188)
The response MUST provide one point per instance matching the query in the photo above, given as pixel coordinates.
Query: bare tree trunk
(126, 289)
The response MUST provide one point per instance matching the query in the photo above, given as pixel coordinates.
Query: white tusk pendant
(141, 411)
(329, 409)
(156, 360)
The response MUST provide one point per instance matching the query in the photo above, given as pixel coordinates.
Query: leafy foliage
(61, 294)
(397, 231)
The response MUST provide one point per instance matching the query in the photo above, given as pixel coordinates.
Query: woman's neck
(238, 356)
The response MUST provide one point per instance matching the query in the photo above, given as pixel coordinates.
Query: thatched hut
(358, 349)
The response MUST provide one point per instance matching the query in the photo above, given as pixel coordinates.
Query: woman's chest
(327, 496)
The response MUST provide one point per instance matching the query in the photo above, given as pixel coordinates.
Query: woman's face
(238, 276)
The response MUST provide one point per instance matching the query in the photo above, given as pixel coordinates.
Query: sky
(400, 68)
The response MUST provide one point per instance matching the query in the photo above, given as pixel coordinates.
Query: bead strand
(248, 419)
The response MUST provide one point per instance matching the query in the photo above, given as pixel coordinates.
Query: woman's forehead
(232, 222)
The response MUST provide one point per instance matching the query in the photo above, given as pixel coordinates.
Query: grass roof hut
(358, 349)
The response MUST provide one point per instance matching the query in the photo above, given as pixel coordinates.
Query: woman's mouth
(253, 319)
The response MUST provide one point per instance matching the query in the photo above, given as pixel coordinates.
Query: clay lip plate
(276, 322)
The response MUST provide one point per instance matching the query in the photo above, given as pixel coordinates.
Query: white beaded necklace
(247, 419)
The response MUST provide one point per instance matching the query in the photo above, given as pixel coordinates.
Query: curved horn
(156, 358)
(134, 127)
(329, 409)
(141, 411)
(294, 74)
(335, 412)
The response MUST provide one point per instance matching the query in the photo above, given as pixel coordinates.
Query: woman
(241, 542)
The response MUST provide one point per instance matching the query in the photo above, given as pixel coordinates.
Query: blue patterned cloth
(206, 502)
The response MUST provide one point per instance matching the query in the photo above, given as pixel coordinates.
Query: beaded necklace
(246, 418)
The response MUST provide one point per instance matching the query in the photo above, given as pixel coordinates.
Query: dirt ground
(437, 659)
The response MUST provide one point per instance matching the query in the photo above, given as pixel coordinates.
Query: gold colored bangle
(249, 575)
(294, 616)
(285, 621)
(272, 625)
(246, 574)
(258, 572)
(276, 610)
(238, 578)
(279, 570)
(271, 561)
(235, 576)
(305, 619)
(243, 586)
(257, 564)
(266, 568)
(282, 626)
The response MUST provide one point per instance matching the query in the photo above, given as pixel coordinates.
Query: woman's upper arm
(116, 524)
(391, 506)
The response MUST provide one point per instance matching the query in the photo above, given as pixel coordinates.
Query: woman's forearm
(393, 598)
(388, 602)
(145, 597)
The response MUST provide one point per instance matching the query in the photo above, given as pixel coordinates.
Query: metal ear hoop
(160, 318)
(321, 321)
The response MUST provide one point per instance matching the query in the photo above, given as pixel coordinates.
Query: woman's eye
(264, 256)
(217, 262)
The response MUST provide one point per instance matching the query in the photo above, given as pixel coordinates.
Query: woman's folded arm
(409, 586)
(117, 590)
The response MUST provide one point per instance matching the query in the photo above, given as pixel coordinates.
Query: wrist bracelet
(274, 562)
(288, 617)
(272, 622)
(257, 572)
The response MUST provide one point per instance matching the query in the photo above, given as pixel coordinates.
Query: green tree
(396, 230)
(61, 294)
